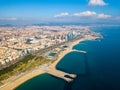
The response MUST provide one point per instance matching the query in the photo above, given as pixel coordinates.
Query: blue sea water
(43, 82)
(99, 69)
(103, 62)
(74, 63)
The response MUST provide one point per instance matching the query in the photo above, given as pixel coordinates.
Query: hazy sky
(60, 10)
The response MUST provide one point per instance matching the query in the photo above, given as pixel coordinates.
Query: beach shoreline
(69, 49)
(21, 79)
(13, 84)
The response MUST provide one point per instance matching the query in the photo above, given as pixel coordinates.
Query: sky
(59, 11)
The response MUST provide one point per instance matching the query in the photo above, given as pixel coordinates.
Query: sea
(98, 69)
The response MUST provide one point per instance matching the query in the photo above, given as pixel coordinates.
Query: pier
(61, 74)
(74, 50)
(58, 73)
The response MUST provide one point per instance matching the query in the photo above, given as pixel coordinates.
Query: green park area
(27, 63)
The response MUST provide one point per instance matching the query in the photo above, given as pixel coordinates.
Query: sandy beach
(13, 84)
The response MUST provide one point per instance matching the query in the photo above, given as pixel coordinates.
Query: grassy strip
(14, 68)
(37, 62)
(21, 66)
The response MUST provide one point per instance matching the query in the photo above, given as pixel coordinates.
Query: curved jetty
(74, 50)
(61, 74)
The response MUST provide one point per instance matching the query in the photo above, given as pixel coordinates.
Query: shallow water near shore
(43, 82)
(99, 69)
